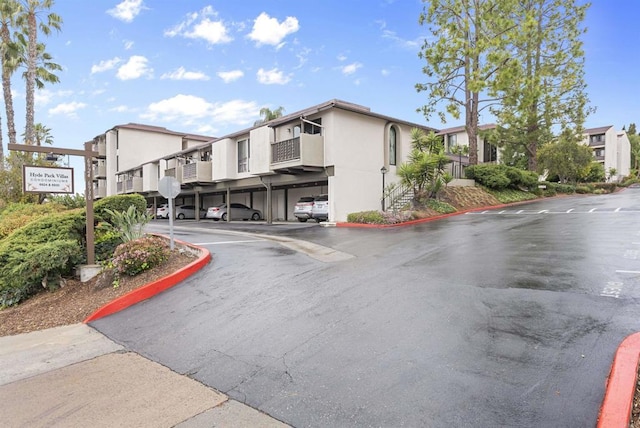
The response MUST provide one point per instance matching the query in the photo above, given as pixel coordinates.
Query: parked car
(188, 211)
(238, 212)
(162, 211)
(303, 207)
(320, 209)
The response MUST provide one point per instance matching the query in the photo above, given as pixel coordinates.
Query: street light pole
(383, 171)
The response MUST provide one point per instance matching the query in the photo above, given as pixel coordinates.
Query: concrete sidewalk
(74, 376)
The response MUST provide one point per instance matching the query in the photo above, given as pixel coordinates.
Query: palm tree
(268, 114)
(41, 133)
(28, 21)
(10, 58)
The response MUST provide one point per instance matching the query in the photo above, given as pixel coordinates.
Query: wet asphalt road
(503, 318)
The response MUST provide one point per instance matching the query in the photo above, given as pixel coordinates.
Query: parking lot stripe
(229, 242)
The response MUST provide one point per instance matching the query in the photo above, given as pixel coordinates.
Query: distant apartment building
(612, 149)
(125, 147)
(458, 137)
(337, 148)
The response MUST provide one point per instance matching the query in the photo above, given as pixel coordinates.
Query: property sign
(45, 179)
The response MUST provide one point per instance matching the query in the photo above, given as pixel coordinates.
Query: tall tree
(35, 18)
(566, 158)
(543, 87)
(267, 114)
(469, 46)
(42, 135)
(9, 58)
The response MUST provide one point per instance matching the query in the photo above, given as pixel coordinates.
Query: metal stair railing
(395, 198)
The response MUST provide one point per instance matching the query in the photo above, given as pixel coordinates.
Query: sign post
(88, 154)
(169, 187)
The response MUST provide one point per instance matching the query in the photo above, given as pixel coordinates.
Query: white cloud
(403, 43)
(105, 65)
(128, 44)
(271, 77)
(43, 97)
(350, 68)
(182, 74)
(342, 58)
(120, 109)
(191, 110)
(268, 31)
(230, 76)
(67, 109)
(134, 68)
(198, 25)
(127, 10)
(385, 72)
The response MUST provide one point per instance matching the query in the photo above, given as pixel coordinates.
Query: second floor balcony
(298, 153)
(196, 172)
(129, 185)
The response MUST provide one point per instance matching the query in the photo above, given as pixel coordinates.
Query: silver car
(320, 209)
(188, 211)
(303, 207)
(238, 212)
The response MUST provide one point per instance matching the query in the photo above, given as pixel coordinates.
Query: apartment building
(458, 137)
(123, 148)
(336, 147)
(612, 149)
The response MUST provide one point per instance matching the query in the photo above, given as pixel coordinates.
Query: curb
(432, 218)
(620, 386)
(153, 288)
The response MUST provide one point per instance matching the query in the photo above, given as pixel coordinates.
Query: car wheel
(255, 217)
(302, 220)
(180, 216)
(224, 217)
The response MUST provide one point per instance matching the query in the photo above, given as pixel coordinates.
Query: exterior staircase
(397, 198)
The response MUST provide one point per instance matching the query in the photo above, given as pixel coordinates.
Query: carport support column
(269, 204)
(228, 204)
(197, 205)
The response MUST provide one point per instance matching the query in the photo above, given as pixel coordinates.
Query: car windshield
(306, 199)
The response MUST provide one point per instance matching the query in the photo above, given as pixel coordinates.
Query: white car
(238, 212)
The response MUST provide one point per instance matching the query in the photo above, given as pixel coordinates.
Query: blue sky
(207, 67)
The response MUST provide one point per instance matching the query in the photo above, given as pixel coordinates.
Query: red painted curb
(428, 219)
(152, 288)
(618, 398)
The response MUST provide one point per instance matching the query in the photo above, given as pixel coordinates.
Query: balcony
(99, 192)
(197, 172)
(99, 171)
(304, 153)
(130, 185)
(174, 172)
(101, 148)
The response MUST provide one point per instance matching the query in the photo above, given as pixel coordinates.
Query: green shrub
(550, 192)
(440, 206)
(605, 187)
(566, 188)
(106, 241)
(118, 203)
(488, 175)
(130, 223)
(507, 196)
(629, 181)
(16, 215)
(366, 217)
(582, 189)
(133, 257)
(39, 253)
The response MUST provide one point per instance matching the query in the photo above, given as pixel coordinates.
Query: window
(452, 141)
(392, 146)
(597, 138)
(296, 131)
(243, 156)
